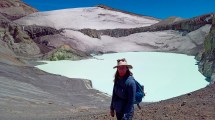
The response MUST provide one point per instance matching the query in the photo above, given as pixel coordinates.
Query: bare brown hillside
(198, 105)
(27, 93)
(15, 9)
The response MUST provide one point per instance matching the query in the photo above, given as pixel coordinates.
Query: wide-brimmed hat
(122, 62)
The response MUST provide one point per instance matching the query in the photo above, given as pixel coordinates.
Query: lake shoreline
(100, 72)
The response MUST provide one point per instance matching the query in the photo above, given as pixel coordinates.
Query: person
(123, 96)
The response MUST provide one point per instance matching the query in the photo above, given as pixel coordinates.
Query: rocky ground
(198, 105)
(27, 93)
(34, 94)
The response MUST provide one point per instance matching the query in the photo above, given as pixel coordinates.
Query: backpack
(139, 93)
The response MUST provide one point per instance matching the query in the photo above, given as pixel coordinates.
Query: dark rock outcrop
(206, 57)
(191, 24)
(91, 32)
(186, 26)
(12, 37)
(52, 44)
(35, 31)
(31, 42)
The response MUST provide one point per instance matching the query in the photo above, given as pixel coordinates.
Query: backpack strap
(126, 82)
(138, 105)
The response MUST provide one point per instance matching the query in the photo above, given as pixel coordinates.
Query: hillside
(15, 9)
(29, 93)
(196, 105)
(96, 30)
(91, 17)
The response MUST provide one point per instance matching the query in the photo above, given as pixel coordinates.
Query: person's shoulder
(130, 80)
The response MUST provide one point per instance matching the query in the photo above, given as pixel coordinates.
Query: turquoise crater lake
(164, 75)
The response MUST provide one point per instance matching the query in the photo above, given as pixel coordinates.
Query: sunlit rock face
(207, 57)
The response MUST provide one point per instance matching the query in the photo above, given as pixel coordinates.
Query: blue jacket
(123, 95)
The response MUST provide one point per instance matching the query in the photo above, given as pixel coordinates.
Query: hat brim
(129, 66)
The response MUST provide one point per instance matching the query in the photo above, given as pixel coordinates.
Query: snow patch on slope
(90, 17)
(168, 40)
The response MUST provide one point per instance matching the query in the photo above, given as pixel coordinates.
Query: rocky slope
(29, 93)
(15, 9)
(183, 36)
(198, 105)
(184, 26)
(25, 42)
(206, 57)
(15, 40)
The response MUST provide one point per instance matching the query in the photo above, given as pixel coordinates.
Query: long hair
(127, 74)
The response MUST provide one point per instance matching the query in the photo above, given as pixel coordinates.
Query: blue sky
(156, 8)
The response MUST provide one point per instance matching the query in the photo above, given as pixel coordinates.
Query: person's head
(122, 68)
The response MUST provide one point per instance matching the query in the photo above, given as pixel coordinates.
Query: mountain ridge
(29, 93)
(100, 35)
(126, 12)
